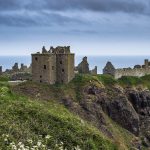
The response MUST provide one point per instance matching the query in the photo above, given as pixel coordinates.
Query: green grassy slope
(24, 120)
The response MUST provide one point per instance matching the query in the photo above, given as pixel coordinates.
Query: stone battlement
(57, 50)
(137, 71)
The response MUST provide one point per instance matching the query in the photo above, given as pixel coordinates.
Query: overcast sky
(90, 27)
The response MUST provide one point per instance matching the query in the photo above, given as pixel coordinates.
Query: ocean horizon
(100, 61)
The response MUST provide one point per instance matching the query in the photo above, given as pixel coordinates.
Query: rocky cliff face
(128, 107)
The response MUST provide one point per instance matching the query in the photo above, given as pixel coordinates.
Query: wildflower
(39, 143)
(35, 146)
(40, 136)
(7, 135)
(6, 140)
(14, 147)
(77, 148)
(20, 143)
(61, 143)
(30, 141)
(43, 146)
(48, 137)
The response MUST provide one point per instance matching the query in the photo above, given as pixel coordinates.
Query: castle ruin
(83, 67)
(137, 71)
(53, 66)
(1, 70)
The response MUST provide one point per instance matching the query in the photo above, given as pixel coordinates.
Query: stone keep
(53, 66)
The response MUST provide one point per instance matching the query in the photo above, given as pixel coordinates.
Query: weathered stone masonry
(137, 71)
(53, 66)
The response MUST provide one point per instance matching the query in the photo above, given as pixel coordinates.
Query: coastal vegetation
(33, 117)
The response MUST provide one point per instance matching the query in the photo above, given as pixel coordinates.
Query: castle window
(44, 66)
(40, 81)
(60, 62)
(36, 58)
(53, 67)
(63, 70)
(40, 76)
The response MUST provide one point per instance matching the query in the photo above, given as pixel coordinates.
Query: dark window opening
(63, 70)
(53, 67)
(40, 81)
(36, 58)
(60, 62)
(44, 66)
(40, 76)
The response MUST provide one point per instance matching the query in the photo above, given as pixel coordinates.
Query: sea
(100, 61)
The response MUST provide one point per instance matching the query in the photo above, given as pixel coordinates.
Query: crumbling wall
(83, 67)
(1, 71)
(137, 72)
(94, 71)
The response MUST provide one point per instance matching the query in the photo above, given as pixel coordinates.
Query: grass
(23, 118)
(4, 78)
(135, 81)
(26, 118)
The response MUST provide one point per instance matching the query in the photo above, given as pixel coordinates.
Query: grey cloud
(40, 19)
(49, 19)
(129, 6)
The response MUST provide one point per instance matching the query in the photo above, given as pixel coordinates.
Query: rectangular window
(53, 67)
(44, 66)
(60, 62)
(63, 70)
(36, 58)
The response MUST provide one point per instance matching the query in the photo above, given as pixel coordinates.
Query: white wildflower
(20, 143)
(48, 137)
(39, 143)
(30, 141)
(6, 140)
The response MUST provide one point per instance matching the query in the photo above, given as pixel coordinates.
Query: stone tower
(109, 69)
(83, 67)
(53, 66)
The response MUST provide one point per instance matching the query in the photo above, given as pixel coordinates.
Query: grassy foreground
(35, 124)
(41, 125)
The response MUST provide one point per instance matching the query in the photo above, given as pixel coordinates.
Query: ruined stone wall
(65, 67)
(138, 72)
(83, 67)
(44, 68)
(71, 64)
(1, 71)
(94, 71)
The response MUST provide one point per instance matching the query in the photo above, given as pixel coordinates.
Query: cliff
(115, 114)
